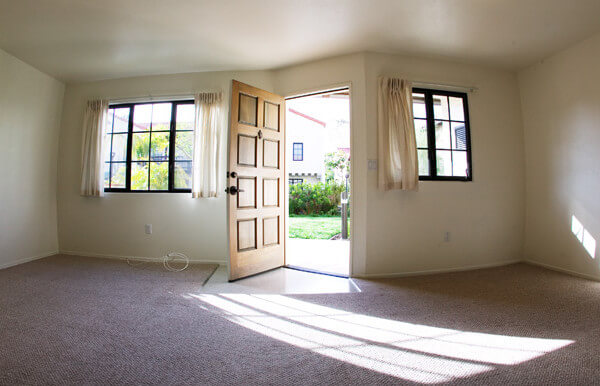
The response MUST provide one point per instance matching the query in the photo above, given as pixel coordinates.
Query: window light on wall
(584, 237)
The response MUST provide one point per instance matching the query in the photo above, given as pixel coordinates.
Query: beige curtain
(397, 147)
(209, 139)
(92, 164)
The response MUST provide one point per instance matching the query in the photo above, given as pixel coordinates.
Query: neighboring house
(305, 148)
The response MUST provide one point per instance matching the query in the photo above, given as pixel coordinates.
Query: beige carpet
(71, 320)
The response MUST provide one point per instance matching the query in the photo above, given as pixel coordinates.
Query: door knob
(233, 190)
(233, 175)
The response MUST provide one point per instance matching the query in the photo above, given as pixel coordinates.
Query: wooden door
(255, 180)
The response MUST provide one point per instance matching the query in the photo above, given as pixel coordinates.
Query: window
(442, 131)
(296, 181)
(298, 151)
(148, 147)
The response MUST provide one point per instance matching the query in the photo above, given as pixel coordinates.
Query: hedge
(320, 199)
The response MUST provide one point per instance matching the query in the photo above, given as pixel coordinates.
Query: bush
(315, 199)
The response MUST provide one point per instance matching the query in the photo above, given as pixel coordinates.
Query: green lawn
(306, 227)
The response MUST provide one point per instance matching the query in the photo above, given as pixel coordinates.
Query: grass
(307, 227)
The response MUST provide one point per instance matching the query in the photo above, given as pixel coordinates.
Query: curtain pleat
(397, 148)
(209, 139)
(92, 164)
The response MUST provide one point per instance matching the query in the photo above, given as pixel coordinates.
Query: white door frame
(308, 92)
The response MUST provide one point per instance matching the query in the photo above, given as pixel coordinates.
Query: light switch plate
(148, 229)
(372, 164)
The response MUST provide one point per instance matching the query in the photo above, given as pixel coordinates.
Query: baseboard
(562, 270)
(27, 259)
(138, 258)
(435, 271)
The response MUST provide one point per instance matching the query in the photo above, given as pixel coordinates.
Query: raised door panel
(246, 197)
(246, 231)
(270, 231)
(246, 150)
(270, 154)
(272, 116)
(271, 192)
(248, 109)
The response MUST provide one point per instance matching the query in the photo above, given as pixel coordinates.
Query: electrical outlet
(372, 164)
(148, 229)
(447, 237)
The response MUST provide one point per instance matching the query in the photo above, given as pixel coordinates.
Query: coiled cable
(167, 260)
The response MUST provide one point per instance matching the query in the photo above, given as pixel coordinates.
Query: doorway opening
(318, 171)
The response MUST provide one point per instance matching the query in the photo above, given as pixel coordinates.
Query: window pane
(183, 145)
(440, 107)
(443, 158)
(106, 147)
(109, 121)
(423, 162)
(161, 117)
(457, 112)
(106, 174)
(183, 175)
(117, 177)
(419, 110)
(185, 117)
(121, 120)
(442, 135)
(459, 136)
(298, 152)
(160, 147)
(459, 163)
(139, 176)
(159, 175)
(119, 147)
(142, 115)
(421, 132)
(139, 148)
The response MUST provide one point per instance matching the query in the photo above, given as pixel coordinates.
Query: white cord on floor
(167, 260)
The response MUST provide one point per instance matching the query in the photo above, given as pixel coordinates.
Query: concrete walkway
(327, 256)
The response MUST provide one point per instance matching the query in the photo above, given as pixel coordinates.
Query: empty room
(299, 192)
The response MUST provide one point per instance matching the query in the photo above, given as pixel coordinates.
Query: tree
(337, 165)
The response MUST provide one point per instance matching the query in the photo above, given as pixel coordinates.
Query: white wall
(561, 114)
(400, 232)
(114, 225)
(485, 217)
(30, 108)
(347, 71)
(309, 134)
(395, 232)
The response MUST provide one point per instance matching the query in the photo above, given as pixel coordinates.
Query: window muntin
(298, 151)
(295, 181)
(148, 147)
(441, 123)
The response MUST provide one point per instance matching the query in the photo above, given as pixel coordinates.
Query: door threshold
(317, 272)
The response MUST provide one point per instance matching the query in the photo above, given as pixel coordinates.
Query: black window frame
(301, 151)
(431, 147)
(172, 137)
(295, 181)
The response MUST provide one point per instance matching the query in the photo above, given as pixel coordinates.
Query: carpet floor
(75, 320)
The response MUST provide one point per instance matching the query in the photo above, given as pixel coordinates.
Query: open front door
(256, 181)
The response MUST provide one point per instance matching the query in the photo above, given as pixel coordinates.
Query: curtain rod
(155, 97)
(447, 86)
(150, 98)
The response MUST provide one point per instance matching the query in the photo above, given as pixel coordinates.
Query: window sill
(458, 179)
(146, 191)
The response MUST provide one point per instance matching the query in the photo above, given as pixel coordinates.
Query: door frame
(304, 93)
